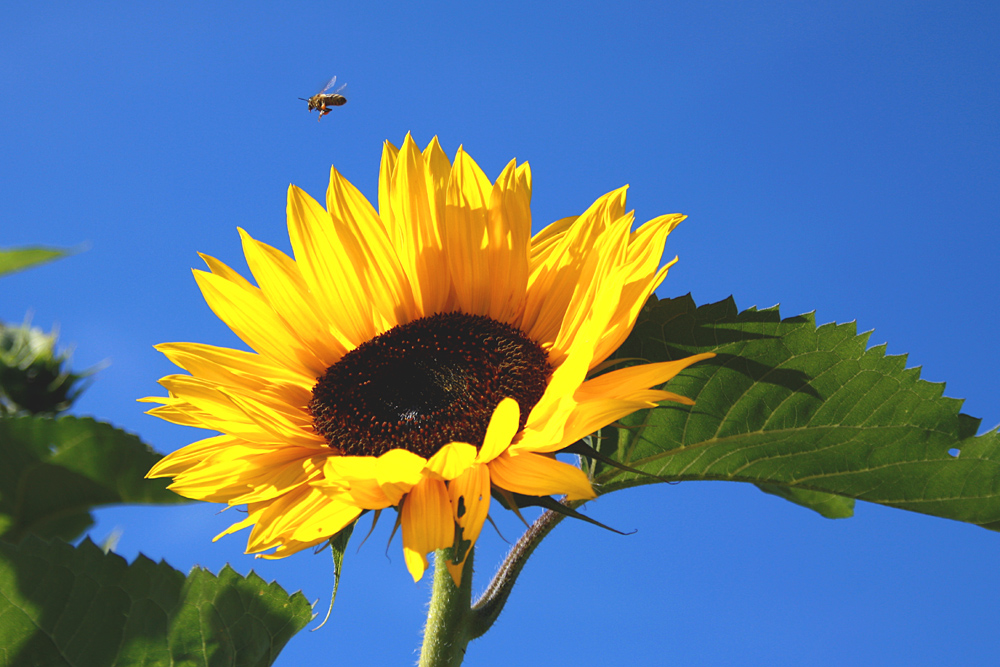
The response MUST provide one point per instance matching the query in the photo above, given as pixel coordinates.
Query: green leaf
(808, 413)
(18, 259)
(78, 607)
(53, 471)
(827, 504)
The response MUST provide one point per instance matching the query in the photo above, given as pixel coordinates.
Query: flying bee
(324, 100)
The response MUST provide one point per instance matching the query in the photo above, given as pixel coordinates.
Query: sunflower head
(422, 357)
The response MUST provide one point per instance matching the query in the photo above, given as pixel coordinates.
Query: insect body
(323, 100)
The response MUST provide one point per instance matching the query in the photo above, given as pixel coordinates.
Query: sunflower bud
(34, 378)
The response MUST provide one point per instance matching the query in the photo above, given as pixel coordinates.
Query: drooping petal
(427, 524)
(306, 516)
(355, 476)
(469, 494)
(451, 460)
(397, 471)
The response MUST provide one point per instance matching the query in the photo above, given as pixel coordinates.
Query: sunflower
(423, 357)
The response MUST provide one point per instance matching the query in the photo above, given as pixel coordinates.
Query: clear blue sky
(838, 157)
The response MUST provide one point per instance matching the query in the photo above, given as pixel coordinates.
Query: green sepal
(581, 448)
(514, 501)
(338, 545)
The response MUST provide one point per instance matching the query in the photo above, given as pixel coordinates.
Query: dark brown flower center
(424, 384)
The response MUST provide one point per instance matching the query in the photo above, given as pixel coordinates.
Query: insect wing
(339, 96)
(329, 85)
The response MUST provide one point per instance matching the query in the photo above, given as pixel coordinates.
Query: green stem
(448, 620)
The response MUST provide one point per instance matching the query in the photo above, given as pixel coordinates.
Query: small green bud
(34, 378)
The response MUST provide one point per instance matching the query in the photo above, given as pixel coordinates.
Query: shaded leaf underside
(54, 471)
(807, 413)
(62, 606)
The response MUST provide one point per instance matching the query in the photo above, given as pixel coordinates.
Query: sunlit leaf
(811, 409)
(62, 606)
(53, 471)
(18, 259)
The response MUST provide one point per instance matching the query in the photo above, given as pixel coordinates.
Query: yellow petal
(545, 242)
(466, 211)
(350, 467)
(185, 457)
(251, 318)
(286, 425)
(288, 294)
(417, 236)
(644, 251)
(203, 395)
(548, 418)
(327, 520)
(178, 413)
(367, 494)
(427, 524)
(538, 475)
(387, 283)
(470, 502)
(235, 368)
(250, 520)
(584, 420)
(397, 471)
(451, 460)
(601, 280)
(304, 514)
(620, 383)
(247, 474)
(389, 155)
(570, 266)
(289, 548)
(509, 237)
(333, 267)
(437, 170)
(501, 430)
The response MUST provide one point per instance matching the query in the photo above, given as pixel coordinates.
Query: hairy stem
(448, 620)
(491, 603)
